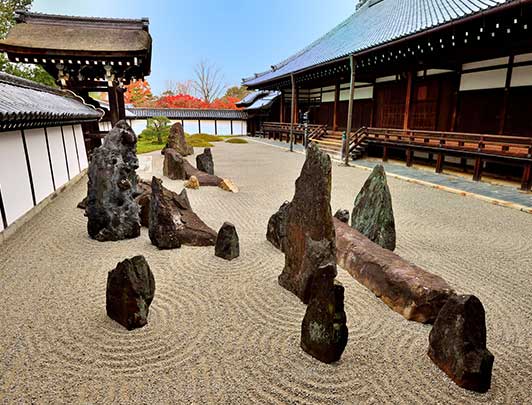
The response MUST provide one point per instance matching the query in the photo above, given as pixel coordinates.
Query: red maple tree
(139, 94)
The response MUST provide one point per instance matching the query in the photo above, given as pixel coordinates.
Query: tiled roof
(188, 113)
(251, 98)
(374, 24)
(25, 104)
(265, 101)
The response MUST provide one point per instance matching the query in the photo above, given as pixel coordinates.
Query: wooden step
(327, 142)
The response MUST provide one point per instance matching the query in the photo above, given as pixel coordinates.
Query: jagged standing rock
(177, 141)
(112, 212)
(457, 343)
(372, 214)
(227, 244)
(130, 291)
(204, 161)
(324, 331)
(276, 232)
(174, 165)
(165, 223)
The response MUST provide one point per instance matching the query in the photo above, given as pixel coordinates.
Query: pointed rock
(204, 161)
(227, 244)
(309, 218)
(177, 141)
(342, 215)
(165, 223)
(174, 165)
(372, 214)
(130, 291)
(276, 233)
(324, 331)
(457, 343)
(112, 212)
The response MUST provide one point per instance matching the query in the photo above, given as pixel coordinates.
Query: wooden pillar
(350, 108)
(409, 154)
(117, 110)
(504, 106)
(439, 163)
(456, 100)
(335, 106)
(281, 107)
(293, 112)
(477, 174)
(384, 153)
(526, 180)
(408, 99)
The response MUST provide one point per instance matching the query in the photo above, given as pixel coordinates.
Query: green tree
(238, 92)
(31, 72)
(158, 126)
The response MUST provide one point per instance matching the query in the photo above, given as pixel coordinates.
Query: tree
(186, 87)
(238, 92)
(180, 101)
(139, 94)
(158, 125)
(208, 81)
(31, 72)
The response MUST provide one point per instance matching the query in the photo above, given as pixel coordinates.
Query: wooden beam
(293, 112)
(504, 106)
(281, 107)
(350, 108)
(408, 99)
(335, 106)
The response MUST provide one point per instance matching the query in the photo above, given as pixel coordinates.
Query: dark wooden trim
(28, 165)
(439, 163)
(526, 180)
(408, 99)
(76, 145)
(477, 173)
(232, 127)
(49, 157)
(385, 153)
(3, 211)
(456, 100)
(215, 127)
(409, 156)
(199, 126)
(66, 154)
(335, 106)
(281, 107)
(504, 106)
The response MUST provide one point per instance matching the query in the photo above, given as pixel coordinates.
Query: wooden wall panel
(479, 111)
(389, 104)
(519, 112)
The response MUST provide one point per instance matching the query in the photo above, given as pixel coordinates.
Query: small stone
(227, 244)
(130, 291)
(112, 212)
(82, 204)
(177, 141)
(192, 183)
(373, 213)
(204, 161)
(342, 215)
(165, 223)
(324, 331)
(276, 233)
(228, 185)
(174, 165)
(457, 343)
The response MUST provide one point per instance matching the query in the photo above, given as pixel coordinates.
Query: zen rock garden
(313, 241)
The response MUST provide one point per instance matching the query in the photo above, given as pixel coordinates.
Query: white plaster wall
(83, 163)
(224, 127)
(489, 79)
(486, 63)
(328, 97)
(57, 154)
(207, 127)
(40, 166)
(14, 178)
(72, 158)
(240, 128)
(521, 76)
(191, 127)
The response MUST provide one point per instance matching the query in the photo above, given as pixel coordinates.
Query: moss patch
(236, 140)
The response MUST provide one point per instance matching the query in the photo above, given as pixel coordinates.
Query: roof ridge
(29, 84)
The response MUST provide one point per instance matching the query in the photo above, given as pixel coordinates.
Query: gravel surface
(226, 332)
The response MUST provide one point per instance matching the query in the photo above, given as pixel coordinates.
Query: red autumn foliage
(139, 94)
(188, 101)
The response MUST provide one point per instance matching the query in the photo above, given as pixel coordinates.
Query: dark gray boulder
(130, 291)
(174, 165)
(324, 331)
(310, 235)
(372, 214)
(165, 224)
(342, 215)
(276, 232)
(177, 141)
(112, 212)
(457, 343)
(204, 161)
(227, 244)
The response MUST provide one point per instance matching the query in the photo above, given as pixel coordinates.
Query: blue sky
(240, 36)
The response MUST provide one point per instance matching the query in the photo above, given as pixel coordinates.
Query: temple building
(440, 82)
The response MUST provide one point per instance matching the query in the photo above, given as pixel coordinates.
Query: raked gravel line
(225, 332)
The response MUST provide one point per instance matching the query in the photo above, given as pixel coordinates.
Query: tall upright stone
(165, 223)
(112, 212)
(372, 214)
(227, 244)
(130, 291)
(310, 235)
(324, 331)
(457, 343)
(276, 232)
(174, 165)
(204, 161)
(177, 141)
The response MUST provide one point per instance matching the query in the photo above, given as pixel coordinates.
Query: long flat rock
(406, 288)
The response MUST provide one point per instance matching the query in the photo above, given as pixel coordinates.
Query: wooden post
(409, 157)
(439, 163)
(477, 174)
(456, 101)
(281, 107)
(293, 112)
(384, 153)
(504, 107)
(335, 106)
(350, 109)
(407, 100)
(527, 177)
